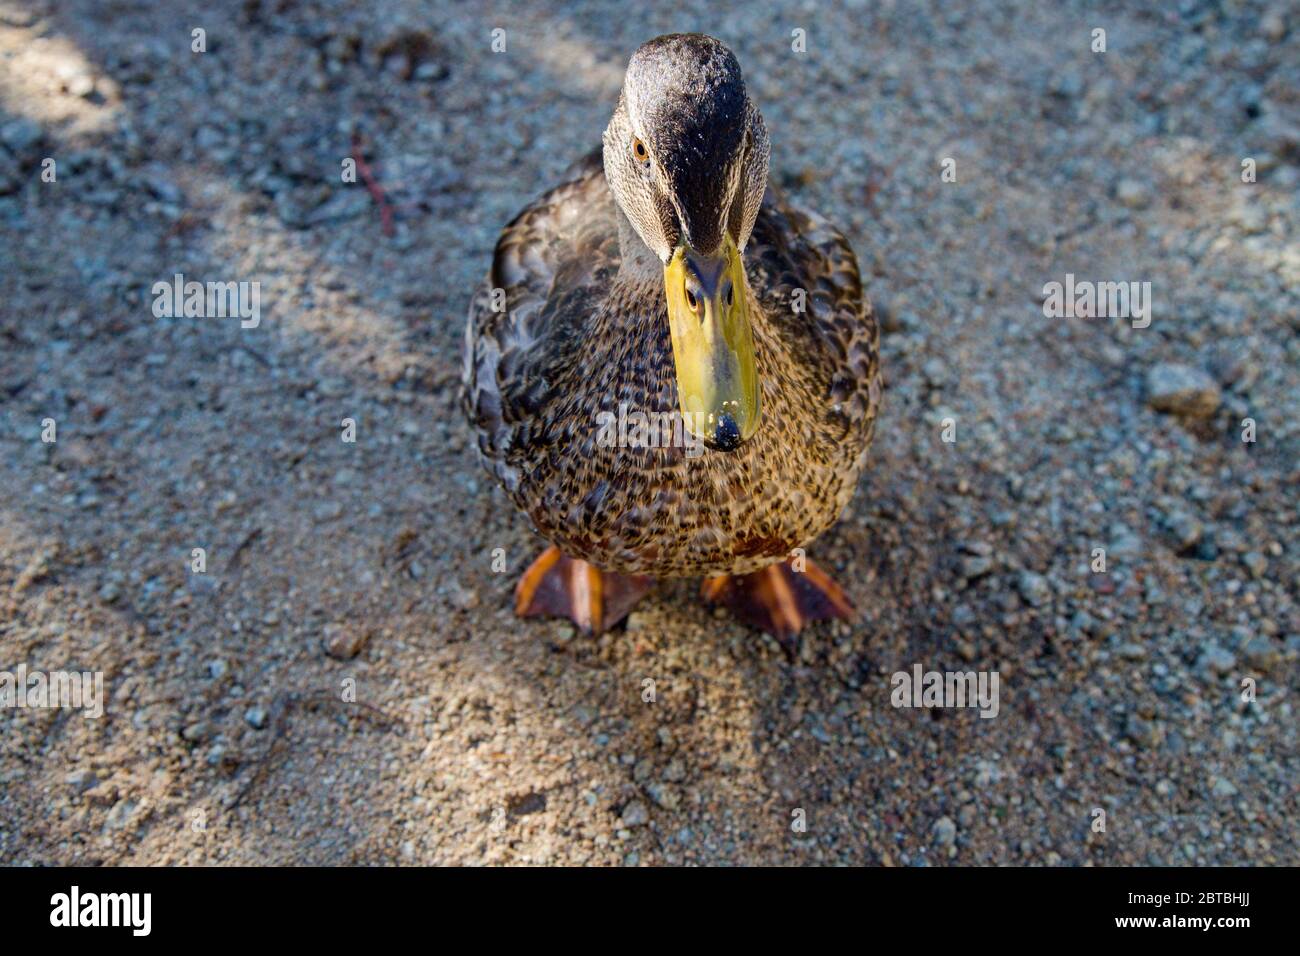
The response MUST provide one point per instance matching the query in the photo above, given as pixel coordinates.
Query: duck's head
(686, 158)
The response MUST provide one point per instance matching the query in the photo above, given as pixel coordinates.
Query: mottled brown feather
(577, 337)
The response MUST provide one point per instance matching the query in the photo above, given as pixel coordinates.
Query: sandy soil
(237, 727)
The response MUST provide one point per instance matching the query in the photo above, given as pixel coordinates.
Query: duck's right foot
(594, 600)
(781, 600)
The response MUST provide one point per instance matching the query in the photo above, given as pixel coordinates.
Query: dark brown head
(686, 159)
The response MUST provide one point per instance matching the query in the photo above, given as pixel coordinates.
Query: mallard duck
(662, 281)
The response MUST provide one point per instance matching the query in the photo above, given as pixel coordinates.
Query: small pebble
(945, 831)
(1033, 588)
(635, 814)
(343, 643)
(1214, 659)
(1182, 390)
(1132, 194)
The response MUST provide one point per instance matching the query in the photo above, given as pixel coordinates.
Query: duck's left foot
(558, 586)
(781, 600)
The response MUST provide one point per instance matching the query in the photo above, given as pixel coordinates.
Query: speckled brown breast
(577, 338)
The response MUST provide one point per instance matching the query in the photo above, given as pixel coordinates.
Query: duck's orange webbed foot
(781, 600)
(594, 600)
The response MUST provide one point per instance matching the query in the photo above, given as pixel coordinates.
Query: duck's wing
(836, 334)
(551, 265)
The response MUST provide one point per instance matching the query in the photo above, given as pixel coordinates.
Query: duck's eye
(693, 302)
(639, 151)
(728, 297)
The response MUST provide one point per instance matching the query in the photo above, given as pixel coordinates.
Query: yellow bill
(713, 346)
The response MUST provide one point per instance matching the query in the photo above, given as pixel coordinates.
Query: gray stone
(1260, 653)
(1214, 659)
(945, 831)
(972, 567)
(1132, 194)
(1185, 528)
(81, 779)
(1033, 588)
(120, 815)
(1142, 732)
(1230, 539)
(1182, 390)
(1124, 543)
(635, 814)
(1222, 788)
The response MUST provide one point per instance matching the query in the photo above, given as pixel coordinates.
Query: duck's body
(619, 299)
(580, 336)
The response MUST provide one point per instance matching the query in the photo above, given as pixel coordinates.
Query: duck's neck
(637, 262)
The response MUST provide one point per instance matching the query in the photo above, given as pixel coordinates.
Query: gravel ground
(346, 683)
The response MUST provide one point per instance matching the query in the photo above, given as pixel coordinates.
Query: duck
(663, 281)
